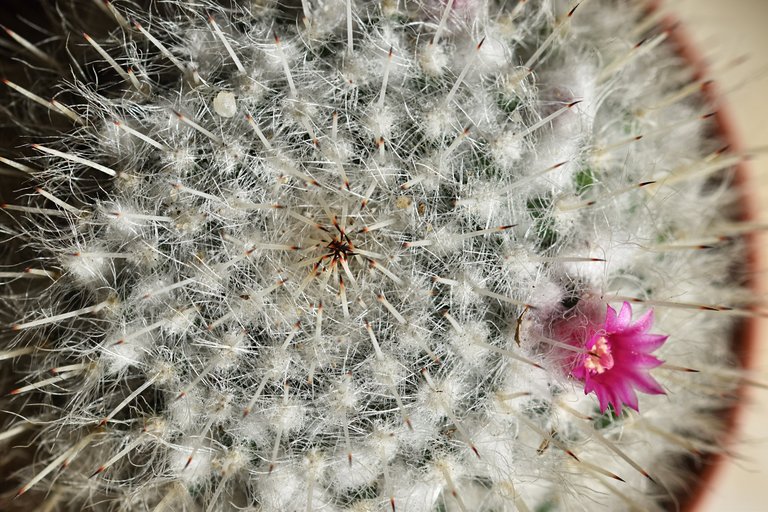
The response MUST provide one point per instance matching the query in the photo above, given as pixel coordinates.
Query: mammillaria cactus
(376, 256)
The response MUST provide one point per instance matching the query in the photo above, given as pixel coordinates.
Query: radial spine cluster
(340, 258)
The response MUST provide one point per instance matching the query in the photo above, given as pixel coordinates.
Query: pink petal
(647, 384)
(643, 361)
(626, 395)
(650, 342)
(620, 322)
(602, 397)
(615, 401)
(643, 323)
(611, 320)
(625, 315)
(579, 371)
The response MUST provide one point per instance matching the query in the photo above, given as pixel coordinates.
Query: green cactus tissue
(362, 256)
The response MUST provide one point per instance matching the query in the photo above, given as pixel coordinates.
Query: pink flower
(618, 359)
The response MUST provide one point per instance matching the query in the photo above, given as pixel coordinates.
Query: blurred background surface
(725, 31)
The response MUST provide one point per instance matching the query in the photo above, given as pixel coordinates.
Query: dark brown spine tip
(99, 470)
(480, 44)
(646, 183)
(639, 137)
(574, 103)
(570, 13)
(723, 149)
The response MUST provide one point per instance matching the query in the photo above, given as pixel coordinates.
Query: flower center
(599, 358)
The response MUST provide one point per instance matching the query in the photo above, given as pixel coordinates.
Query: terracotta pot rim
(745, 333)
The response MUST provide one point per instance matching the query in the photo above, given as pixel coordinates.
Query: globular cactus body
(362, 261)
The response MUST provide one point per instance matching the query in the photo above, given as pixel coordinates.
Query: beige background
(724, 30)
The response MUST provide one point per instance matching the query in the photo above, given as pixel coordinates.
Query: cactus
(376, 256)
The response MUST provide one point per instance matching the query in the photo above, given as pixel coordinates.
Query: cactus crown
(343, 263)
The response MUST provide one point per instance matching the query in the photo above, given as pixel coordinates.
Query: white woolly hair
(315, 263)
